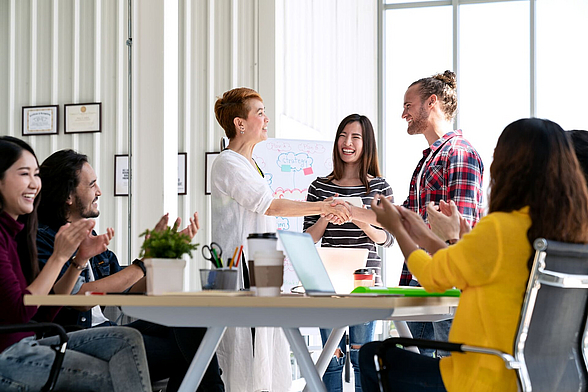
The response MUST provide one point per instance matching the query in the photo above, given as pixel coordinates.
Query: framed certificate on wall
(82, 117)
(121, 175)
(40, 120)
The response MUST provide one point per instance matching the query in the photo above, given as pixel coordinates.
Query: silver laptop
(308, 265)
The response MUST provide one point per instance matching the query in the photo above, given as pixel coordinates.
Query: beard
(419, 123)
(86, 211)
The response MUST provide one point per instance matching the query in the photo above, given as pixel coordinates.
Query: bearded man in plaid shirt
(450, 169)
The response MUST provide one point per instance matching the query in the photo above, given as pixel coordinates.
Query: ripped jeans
(103, 359)
(358, 335)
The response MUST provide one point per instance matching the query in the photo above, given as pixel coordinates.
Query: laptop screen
(307, 263)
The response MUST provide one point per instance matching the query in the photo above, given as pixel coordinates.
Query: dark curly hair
(60, 175)
(444, 86)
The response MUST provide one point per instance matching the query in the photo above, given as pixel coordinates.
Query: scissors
(213, 254)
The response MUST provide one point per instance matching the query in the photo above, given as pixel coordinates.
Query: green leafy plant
(166, 244)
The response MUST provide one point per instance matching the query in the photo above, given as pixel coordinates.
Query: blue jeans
(358, 335)
(407, 371)
(431, 331)
(105, 359)
(170, 352)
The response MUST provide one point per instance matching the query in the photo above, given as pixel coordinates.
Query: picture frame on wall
(82, 117)
(182, 173)
(121, 175)
(40, 120)
(209, 158)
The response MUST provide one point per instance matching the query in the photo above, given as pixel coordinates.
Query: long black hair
(11, 150)
(368, 163)
(535, 165)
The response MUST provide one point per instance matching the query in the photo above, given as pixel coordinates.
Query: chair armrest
(54, 329)
(432, 344)
(60, 348)
(509, 361)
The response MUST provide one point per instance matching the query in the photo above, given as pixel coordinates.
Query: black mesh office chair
(551, 345)
(50, 328)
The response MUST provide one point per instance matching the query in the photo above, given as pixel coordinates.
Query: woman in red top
(109, 359)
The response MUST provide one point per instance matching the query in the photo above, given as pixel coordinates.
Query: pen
(217, 258)
(239, 256)
(233, 259)
(94, 293)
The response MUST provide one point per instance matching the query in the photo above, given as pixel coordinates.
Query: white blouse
(240, 198)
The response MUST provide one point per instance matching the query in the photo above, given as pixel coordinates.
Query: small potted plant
(162, 253)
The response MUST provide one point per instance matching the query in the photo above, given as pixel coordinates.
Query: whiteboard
(289, 167)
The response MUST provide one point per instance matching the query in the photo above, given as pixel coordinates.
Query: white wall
(330, 65)
(69, 51)
(60, 52)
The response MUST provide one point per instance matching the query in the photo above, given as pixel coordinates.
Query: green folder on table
(405, 291)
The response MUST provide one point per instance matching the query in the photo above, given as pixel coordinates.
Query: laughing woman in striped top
(355, 173)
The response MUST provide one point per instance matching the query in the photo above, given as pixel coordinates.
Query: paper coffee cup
(258, 242)
(269, 272)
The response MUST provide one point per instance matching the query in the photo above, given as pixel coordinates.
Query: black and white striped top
(348, 235)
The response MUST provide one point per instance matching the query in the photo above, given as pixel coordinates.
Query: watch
(140, 264)
(77, 266)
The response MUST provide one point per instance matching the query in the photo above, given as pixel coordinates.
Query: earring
(242, 132)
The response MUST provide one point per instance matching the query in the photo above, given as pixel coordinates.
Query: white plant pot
(164, 275)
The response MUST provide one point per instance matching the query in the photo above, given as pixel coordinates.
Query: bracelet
(140, 264)
(77, 266)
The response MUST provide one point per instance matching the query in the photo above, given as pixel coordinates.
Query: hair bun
(447, 77)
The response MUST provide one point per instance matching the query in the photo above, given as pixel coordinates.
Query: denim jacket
(102, 265)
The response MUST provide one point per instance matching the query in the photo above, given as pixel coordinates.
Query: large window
(513, 59)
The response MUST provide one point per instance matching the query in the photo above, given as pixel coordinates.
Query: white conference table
(218, 310)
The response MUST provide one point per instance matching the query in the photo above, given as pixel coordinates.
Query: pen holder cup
(218, 279)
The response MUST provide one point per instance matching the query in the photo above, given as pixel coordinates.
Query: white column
(270, 60)
(155, 113)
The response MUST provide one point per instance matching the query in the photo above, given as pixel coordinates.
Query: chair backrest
(552, 332)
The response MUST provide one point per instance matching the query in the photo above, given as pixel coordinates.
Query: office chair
(551, 344)
(53, 329)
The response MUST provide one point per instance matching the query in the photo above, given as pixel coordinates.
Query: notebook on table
(340, 264)
(407, 291)
(309, 267)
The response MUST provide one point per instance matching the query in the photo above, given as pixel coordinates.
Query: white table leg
(404, 332)
(202, 359)
(329, 348)
(302, 355)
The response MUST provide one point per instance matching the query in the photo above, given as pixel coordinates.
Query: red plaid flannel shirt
(454, 172)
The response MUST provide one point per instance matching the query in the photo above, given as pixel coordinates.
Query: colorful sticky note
(286, 168)
(308, 171)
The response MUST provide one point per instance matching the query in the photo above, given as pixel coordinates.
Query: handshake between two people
(339, 211)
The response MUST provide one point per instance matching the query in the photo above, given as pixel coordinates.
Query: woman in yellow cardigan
(536, 190)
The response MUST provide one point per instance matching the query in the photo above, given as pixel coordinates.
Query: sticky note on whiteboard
(286, 168)
(308, 171)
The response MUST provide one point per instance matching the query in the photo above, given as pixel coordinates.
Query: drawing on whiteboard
(279, 145)
(312, 148)
(260, 161)
(269, 177)
(296, 162)
(289, 167)
(283, 223)
(291, 194)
